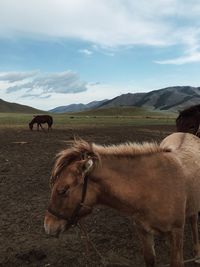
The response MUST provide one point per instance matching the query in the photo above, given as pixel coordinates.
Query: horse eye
(62, 191)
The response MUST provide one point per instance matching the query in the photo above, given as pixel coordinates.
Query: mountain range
(166, 99)
(78, 107)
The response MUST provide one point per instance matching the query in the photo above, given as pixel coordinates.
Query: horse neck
(33, 121)
(117, 179)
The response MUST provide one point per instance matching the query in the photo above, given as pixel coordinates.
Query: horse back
(185, 148)
(43, 119)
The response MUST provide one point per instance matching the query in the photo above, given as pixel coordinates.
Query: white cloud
(12, 77)
(107, 23)
(43, 83)
(41, 90)
(190, 38)
(195, 57)
(86, 52)
(35, 96)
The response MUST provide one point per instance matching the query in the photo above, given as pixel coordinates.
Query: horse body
(186, 148)
(157, 185)
(41, 119)
(139, 193)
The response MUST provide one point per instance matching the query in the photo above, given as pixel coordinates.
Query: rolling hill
(122, 111)
(7, 107)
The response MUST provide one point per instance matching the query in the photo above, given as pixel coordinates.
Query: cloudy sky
(59, 52)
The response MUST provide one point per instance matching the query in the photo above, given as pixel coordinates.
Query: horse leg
(41, 127)
(176, 241)
(147, 240)
(195, 235)
(37, 126)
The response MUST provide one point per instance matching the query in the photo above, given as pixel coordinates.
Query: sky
(60, 52)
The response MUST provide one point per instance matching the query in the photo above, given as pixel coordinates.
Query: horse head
(188, 122)
(72, 195)
(31, 126)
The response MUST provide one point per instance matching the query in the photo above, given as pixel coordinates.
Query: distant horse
(189, 120)
(40, 119)
(158, 185)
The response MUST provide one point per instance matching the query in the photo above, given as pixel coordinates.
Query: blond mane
(81, 149)
(128, 149)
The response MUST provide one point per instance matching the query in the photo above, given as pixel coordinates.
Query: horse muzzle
(53, 225)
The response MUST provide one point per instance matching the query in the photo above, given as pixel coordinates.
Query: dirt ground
(26, 160)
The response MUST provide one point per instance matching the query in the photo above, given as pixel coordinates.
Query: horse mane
(190, 111)
(81, 149)
(128, 149)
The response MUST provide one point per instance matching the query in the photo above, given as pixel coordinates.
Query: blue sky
(55, 53)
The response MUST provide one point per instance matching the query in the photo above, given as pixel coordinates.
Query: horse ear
(87, 166)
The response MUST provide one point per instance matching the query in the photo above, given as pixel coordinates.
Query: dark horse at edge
(188, 120)
(41, 119)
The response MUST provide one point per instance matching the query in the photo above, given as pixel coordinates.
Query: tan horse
(158, 185)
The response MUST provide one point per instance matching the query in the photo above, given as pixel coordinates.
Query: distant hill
(166, 99)
(170, 98)
(123, 100)
(8, 107)
(78, 107)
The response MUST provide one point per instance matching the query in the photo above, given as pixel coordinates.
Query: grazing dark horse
(158, 185)
(40, 119)
(189, 120)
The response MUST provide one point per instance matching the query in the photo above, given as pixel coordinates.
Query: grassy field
(123, 111)
(111, 117)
